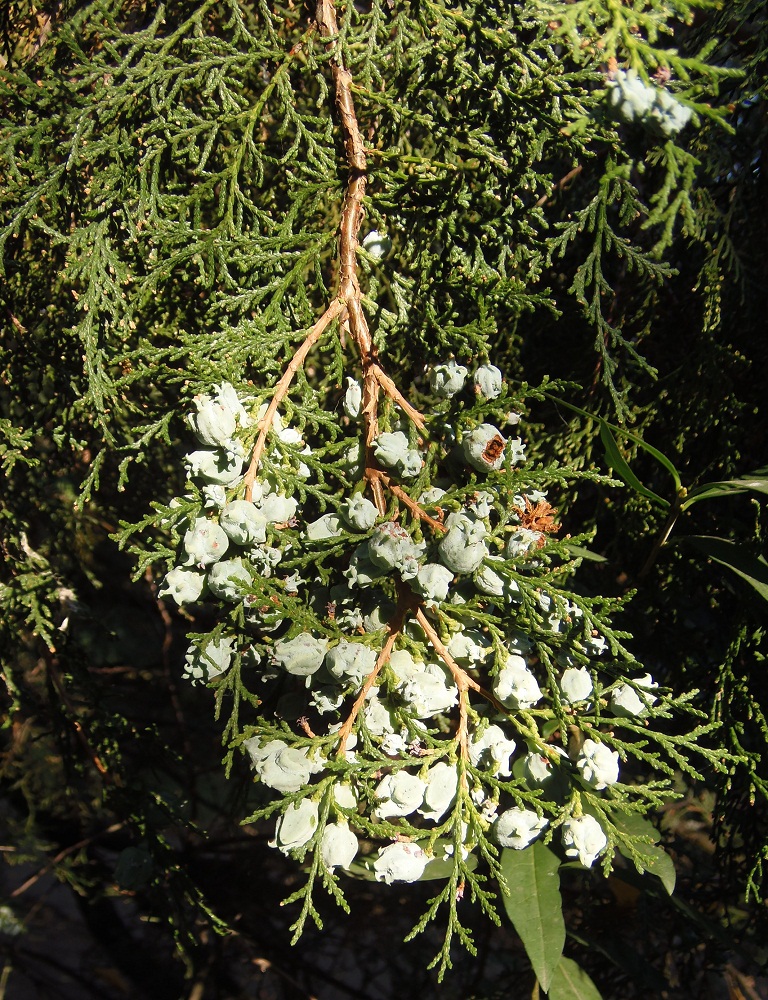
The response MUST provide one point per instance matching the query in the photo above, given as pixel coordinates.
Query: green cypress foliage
(264, 270)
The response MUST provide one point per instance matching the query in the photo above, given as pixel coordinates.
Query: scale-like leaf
(534, 905)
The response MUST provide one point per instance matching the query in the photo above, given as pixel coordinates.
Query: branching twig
(663, 538)
(52, 665)
(395, 628)
(463, 680)
(336, 308)
(561, 185)
(374, 378)
(409, 502)
(394, 394)
(64, 853)
(370, 680)
(348, 302)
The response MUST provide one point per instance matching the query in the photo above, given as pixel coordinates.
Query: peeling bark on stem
(374, 377)
(347, 305)
(351, 217)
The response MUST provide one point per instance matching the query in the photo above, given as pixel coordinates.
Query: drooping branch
(464, 684)
(348, 302)
(374, 377)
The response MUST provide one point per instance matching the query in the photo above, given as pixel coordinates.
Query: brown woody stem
(348, 302)
(394, 393)
(374, 378)
(407, 501)
(464, 682)
(335, 309)
(395, 628)
(370, 680)
(461, 679)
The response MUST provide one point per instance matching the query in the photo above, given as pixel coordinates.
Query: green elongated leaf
(654, 860)
(662, 866)
(535, 907)
(647, 857)
(581, 553)
(755, 482)
(441, 868)
(570, 982)
(737, 558)
(660, 457)
(619, 465)
(636, 825)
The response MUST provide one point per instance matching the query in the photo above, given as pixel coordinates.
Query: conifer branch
(374, 377)
(562, 185)
(395, 627)
(52, 666)
(464, 682)
(394, 393)
(409, 502)
(198, 252)
(335, 309)
(461, 679)
(62, 854)
(351, 217)
(381, 660)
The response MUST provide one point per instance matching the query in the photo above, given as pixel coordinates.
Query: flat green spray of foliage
(187, 191)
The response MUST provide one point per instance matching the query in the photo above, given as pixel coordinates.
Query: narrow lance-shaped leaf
(620, 466)
(607, 434)
(534, 905)
(570, 982)
(756, 482)
(659, 863)
(646, 857)
(737, 558)
(579, 552)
